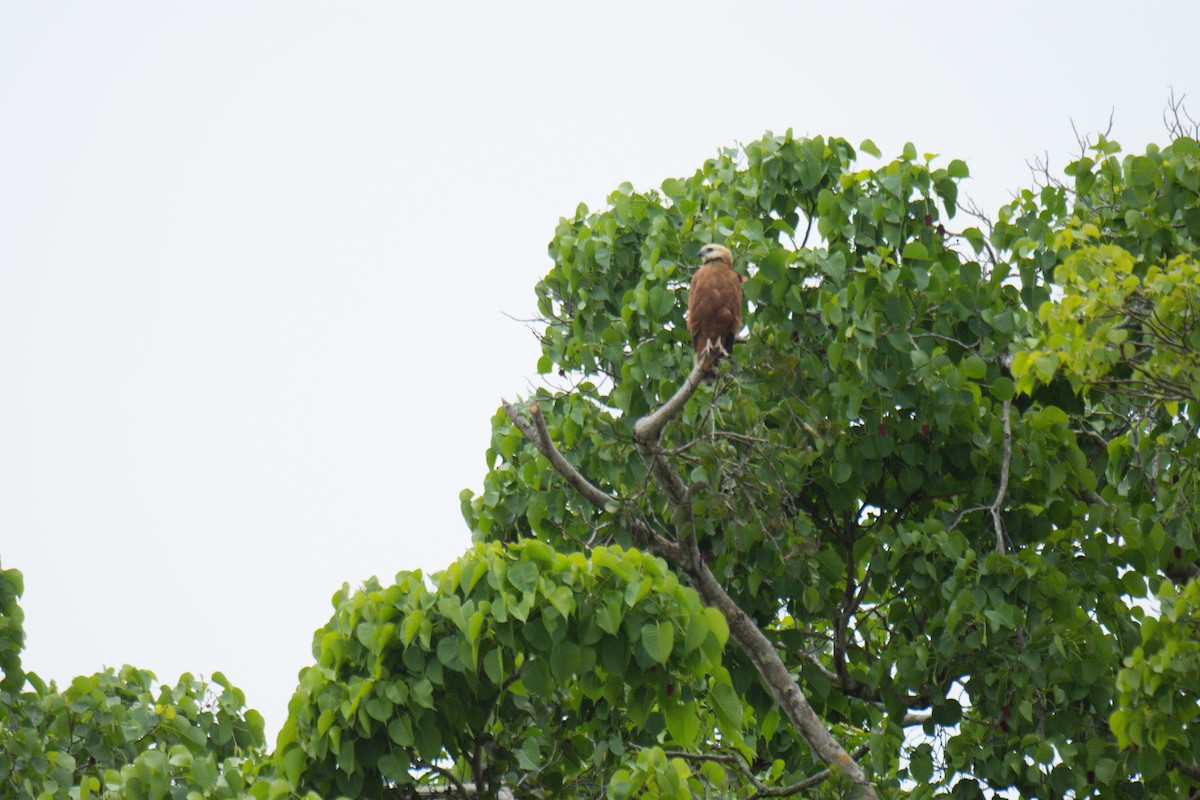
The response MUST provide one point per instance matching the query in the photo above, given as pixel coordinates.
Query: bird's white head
(715, 252)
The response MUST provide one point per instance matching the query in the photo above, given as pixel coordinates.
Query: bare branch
(1177, 119)
(540, 436)
(807, 230)
(685, 555)
(841, 619)
(915, 718)
(998, 502)
(459, 786)
(1006, 422)
(736, 761)
(1191, 770)
(463, 790)
(745, 632)
(648, 430)
(649, 427)
(537, 433)
(776, 676)
(823, 775)
(859, 692)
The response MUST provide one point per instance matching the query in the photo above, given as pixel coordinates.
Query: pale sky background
(254, 258)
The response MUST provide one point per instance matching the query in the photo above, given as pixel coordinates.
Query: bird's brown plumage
(714, 304)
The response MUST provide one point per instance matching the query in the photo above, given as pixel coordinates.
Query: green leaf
(1105, 770)
(422, 692)
(563, 600)
(536, 677)
(974, 367)
(683, 723)
(975, 238)
(529, 755)
(920, 763)
(727, 704)
(718, 625)
(834, 266)
(412, 626)
(674, 188)
(536, 514)
(1003, 389)
(697, 631)
(400, 731)
(394, 767)
(524, 575)
(658, 639)
(1046, 366)
(293, 765)
(566, 660)
(662, 302)
(474, 626)
(1142, 171)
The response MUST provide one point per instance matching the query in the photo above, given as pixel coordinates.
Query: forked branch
(649, 428)
(684, 554)
(537, 433)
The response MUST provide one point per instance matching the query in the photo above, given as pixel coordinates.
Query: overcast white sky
(254, 258)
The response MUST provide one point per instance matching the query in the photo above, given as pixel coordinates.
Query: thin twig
(760, 789)
(823, 775)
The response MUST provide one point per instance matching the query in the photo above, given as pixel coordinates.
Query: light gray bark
(684, 554)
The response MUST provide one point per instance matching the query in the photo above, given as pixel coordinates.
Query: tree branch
(540, 436)
(776, 676)
(820, 777)
(537, 433)
(760, 789)
(745, 632)
(1190, 770)
(649, 427)
(459, 786)
(1006, 422)
(685, 556)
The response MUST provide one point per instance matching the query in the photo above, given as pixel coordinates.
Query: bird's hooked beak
(712, 252)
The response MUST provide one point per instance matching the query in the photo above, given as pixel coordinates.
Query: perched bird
(714, 305)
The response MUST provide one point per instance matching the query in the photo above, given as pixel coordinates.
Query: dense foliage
(119, 733)
(1121, 245)
(524, 665)
(950, 474)
(911, 532)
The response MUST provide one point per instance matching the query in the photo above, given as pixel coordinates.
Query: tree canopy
(932, 533)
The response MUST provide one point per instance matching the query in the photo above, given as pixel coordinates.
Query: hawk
(714, 305)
